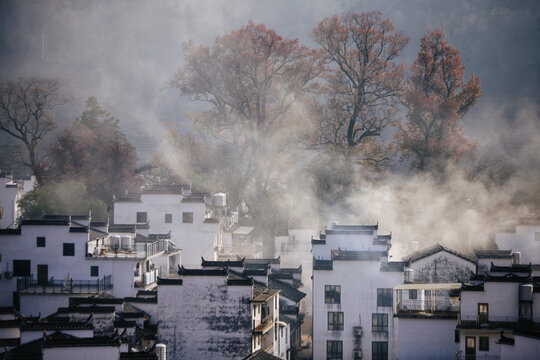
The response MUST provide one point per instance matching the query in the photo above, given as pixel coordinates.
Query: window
(379, 350)
(483, 313)
(332, 294)
(94, 270)
(483, 343)
(334, 349)
(168, 218)
(335, 320)
(187, 217)
(142, 217)
(413, 294)
(456, 336)
(379, 323)
(69, 249)
(384, 297)
(537, 236)
(21, 267)
(40, 241)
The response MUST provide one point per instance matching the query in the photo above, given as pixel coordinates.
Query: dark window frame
(41, 241)
(335, 320)
(483, 343)
(68, 249)
(142, 217)
(483, 316)
(413, 294)
(22, 267)
(379, 350)
(94, 271)
(332, 294)
(385, 297)
(168, 219)
(379, 323)
(187, 217)
(334, 349)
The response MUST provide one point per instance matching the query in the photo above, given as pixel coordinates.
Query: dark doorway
(42, 274)
(470, 347)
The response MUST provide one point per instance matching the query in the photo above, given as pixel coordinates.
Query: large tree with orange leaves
(364, 80)
(436, 99)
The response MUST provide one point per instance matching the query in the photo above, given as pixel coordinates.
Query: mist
(125, 53)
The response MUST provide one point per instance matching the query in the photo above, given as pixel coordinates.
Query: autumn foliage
(436, 98)
(364, 80)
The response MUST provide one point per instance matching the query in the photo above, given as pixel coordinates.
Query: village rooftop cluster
(173, 275)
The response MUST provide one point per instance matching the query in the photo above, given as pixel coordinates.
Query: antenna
(42, 45)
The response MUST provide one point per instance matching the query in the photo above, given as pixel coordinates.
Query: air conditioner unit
(8, 274)
(357, 331)
(357, 354)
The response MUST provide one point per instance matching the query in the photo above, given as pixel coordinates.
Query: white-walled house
(196, 221)
(499, 314)
(353, 284)
(44, 262)
(524, 237)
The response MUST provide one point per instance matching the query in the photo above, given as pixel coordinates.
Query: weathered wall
(86, 353)
(205, 319)
(442, 267)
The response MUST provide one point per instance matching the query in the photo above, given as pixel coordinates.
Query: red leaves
(436, 99)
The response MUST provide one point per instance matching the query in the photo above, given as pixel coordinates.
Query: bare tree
(25, 114)
(364, 80)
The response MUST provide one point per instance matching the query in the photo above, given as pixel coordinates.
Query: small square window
(332, 294)
(94, 270)
(334, 349)
(21, 267)
(69, 249)
(384, 297)
(168, 218)
(483, 343)
(187, 217)
(379, 323)
(142, 217)
(40, 241)
(335, 320)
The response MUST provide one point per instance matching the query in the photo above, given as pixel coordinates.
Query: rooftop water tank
(525, 292)
(516, 258)
(409, 274)
(161, 351)
(114, 241)
(126, 242)
(219, 199)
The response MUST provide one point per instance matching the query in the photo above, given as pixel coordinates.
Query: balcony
(29, 285)
(137, 250)
(426, 308)
(490, 321)
(147, 278)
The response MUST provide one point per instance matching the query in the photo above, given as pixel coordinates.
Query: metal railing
(461, 356)
(147, 278)
(427, 306)
(29, 285)
(137, 250)
(489, 318)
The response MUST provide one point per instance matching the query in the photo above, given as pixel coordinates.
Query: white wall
(359, 281)
(525, 348)
(9, 195)
(523, 240)
(194, 239)
(83, 353)
(502, 297)
(424, 339)
(205, 319)
(442, 267)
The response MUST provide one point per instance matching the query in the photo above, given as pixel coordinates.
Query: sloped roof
(286, 290)
(423, 253)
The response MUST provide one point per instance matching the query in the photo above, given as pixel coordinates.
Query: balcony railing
(147, 278)
(461, 356)
(439, 307)
(137, 250)
(29, 285)
(481, 319)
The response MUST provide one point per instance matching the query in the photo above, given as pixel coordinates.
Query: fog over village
(269, 179)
